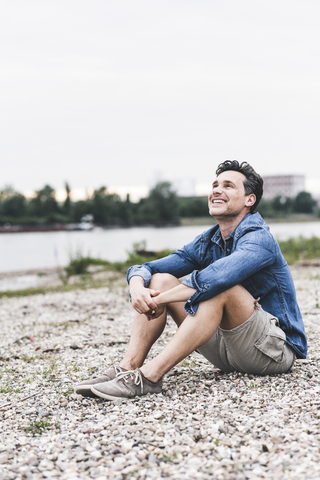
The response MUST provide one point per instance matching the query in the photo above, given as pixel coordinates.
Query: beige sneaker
(84, 388)
(126, 385)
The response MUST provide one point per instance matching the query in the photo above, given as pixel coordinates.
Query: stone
(244, 427)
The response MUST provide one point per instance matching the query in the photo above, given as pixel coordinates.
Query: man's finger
(154, 293)
(152, 305)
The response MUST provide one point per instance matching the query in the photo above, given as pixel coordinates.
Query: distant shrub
(78, 265)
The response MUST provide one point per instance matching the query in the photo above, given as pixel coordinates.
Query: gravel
(205, 424)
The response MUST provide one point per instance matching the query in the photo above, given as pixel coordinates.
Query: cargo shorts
(257, 346)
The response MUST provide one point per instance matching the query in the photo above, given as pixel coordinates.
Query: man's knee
(236, 293)
(163, 281)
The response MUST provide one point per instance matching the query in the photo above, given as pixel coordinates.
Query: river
(27, 251)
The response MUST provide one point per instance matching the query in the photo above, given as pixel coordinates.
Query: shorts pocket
(272, 341)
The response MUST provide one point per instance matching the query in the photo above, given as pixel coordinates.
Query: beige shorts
(256, 346)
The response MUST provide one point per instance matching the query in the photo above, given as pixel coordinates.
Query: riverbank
(182, 222)
(63, 227)
(204, 425)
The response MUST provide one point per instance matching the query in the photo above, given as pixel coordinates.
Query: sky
(118, 93)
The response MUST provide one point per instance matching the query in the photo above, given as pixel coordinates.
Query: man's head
(253, 183)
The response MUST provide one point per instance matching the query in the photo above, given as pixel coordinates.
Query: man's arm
(180, 293)
(179, 263)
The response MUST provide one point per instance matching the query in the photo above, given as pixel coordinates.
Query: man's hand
(142, 297)
(155, 313)
(151, 302)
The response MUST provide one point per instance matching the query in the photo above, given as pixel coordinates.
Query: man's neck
(228, 224)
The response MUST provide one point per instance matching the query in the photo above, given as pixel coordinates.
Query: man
(228, 270)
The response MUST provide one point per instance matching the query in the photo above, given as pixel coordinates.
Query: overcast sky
(101, 92)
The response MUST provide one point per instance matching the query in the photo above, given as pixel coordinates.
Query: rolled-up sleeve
(179, 263)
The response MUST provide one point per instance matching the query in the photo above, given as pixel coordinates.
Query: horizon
(142, 191)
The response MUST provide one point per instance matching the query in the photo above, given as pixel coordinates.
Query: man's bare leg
(144, 332)
(229, 309)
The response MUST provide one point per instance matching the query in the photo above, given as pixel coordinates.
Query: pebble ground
(205, 424)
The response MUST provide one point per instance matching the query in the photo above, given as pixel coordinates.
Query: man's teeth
(217, 201)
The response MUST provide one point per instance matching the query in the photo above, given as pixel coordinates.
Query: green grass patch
(79, 264)
(6, 389)
(299, 249)
(37, 427)
(68, 392)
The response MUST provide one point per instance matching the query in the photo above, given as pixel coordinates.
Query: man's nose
(216, 189)
(214, 192)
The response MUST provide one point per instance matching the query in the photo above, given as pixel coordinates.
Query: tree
(304, 203)
(67, 202)
(13, 204)
(282, 204)
(106, 207)
(193, 206)
(162, 203)
(44, 203)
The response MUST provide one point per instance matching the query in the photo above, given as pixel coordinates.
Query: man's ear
(251, 200)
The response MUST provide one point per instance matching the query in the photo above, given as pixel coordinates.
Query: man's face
(227, 197)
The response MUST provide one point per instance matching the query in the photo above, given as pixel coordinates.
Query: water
(27, 251)
(22, 282)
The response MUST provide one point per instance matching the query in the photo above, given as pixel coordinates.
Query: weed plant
(79, 264)
(37, 427)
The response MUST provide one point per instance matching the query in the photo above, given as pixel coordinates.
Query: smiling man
(236, 305)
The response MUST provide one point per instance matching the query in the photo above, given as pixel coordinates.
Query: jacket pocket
(272, 341)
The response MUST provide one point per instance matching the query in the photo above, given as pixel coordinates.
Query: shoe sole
(106, 396)
(84, 391)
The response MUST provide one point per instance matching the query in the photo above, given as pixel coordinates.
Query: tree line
(161, 206)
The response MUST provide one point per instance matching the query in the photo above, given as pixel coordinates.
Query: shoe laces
(135, 375)
(117, 370)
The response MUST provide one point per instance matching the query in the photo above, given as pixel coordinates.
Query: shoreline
(182, 222)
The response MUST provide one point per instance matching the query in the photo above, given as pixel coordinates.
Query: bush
(78, 265)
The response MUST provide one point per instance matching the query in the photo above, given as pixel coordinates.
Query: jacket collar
(251, 220)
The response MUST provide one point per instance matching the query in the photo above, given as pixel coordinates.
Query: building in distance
(283, 185)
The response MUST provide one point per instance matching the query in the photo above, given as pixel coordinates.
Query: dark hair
(252, 184)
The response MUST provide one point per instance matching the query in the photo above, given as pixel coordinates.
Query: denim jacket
(251, 257)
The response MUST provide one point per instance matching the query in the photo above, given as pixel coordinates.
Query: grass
(37, 427)
(29, 359)
(300, 249)
(9, 390)
(79, 264)
(51, 368)
(68, 392)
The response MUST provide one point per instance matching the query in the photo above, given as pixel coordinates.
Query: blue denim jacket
(251, 258)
